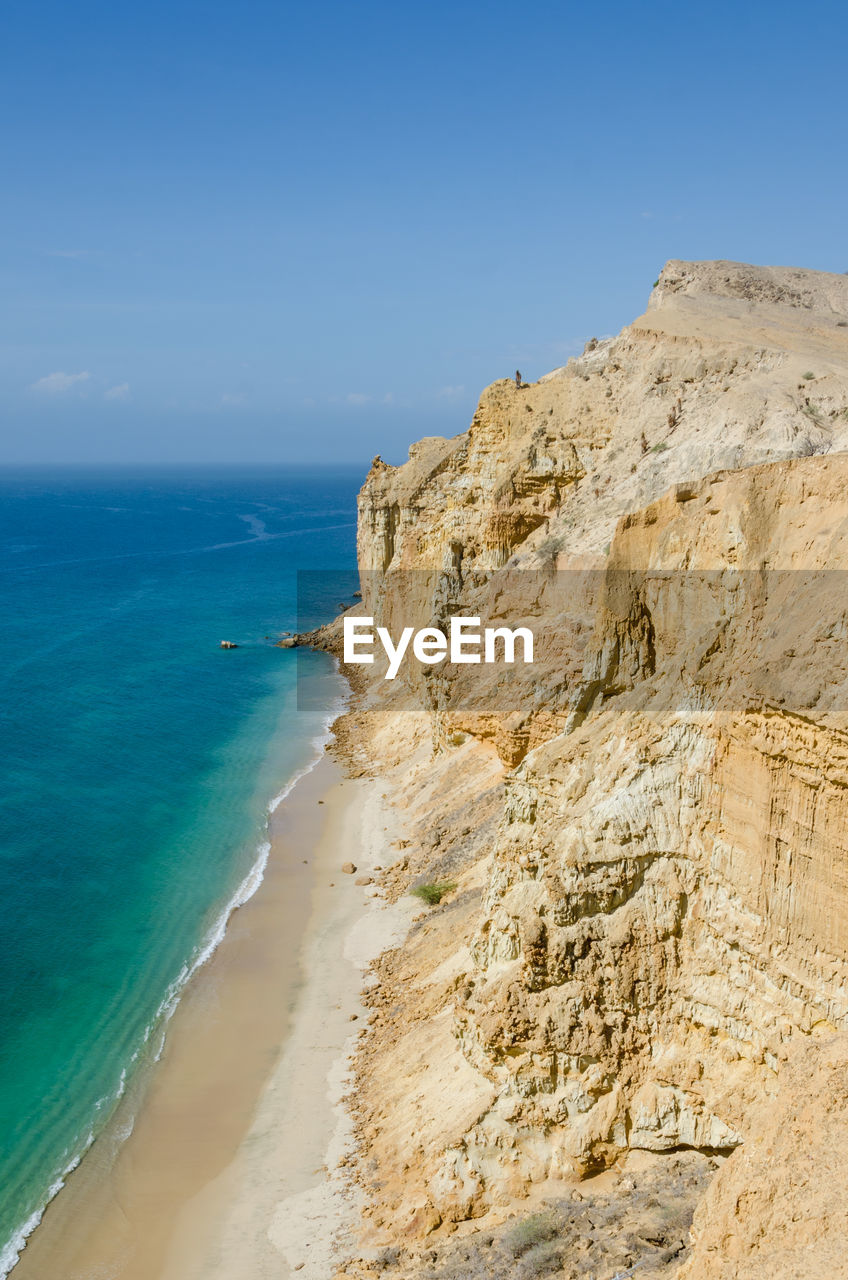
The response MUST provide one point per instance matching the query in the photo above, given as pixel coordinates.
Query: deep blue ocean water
(138, 763)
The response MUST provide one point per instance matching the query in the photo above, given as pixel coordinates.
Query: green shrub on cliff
(433, 893)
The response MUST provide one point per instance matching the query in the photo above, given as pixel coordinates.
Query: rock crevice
(650, 928)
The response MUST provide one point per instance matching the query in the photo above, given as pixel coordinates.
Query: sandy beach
(230, 1169)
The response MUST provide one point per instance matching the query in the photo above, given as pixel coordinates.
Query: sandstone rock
(644, 941)
(778, 1206)
(349, 868)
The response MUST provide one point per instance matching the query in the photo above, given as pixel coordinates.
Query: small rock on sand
(364, 880)
(349, 868)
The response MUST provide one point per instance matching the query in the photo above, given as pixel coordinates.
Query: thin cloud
(120, 392)
(56, 383)
(231, 398)
(358, 398)
(450, 393)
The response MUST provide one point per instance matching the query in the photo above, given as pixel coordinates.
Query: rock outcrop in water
(648, 946)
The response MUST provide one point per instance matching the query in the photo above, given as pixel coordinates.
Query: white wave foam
(125, 1131)
(319, 742)
(11, 1252)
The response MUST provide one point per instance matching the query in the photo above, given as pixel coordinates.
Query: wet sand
(283, 1204)
(222, 1173)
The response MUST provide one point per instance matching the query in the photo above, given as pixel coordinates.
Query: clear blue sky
(268, 231)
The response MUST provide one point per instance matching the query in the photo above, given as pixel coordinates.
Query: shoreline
(135, 1080)
(124, 1206)
(284, 1203)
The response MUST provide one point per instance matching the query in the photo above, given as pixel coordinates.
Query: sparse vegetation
(619, 1231)
(386, 1258)
(659, 448)
(808, 375)
(533, 1231)
(542, 1260)
(656, 282)
(433, 893)
(550, 548)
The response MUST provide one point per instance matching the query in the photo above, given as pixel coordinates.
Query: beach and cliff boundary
(638, 944)
(575, 952)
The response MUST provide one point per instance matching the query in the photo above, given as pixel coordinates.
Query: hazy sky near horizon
(277, 232)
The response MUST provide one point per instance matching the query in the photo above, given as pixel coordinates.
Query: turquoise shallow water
(138, 764)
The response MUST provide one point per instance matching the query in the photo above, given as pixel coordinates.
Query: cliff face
(667, 908)
(652, 913)
(715, 375)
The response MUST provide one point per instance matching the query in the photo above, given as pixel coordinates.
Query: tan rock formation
(651, 917)
(712, 376)
(778, 1207)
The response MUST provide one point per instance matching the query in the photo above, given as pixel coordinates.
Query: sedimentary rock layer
(648, 938)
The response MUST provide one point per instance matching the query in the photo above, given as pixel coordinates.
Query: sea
(139, 762)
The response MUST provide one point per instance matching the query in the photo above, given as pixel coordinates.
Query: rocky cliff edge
(645, 945)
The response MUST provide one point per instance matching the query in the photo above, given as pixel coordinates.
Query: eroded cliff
(648, 831)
